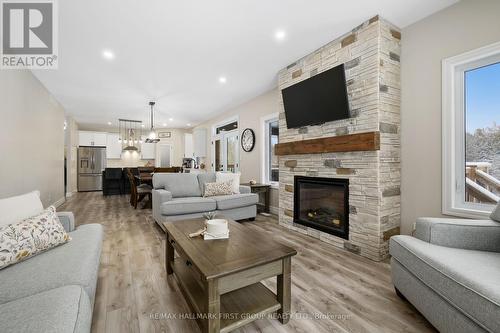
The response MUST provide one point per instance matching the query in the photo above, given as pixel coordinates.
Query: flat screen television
(317, 100)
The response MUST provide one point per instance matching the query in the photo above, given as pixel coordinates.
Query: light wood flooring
(348, 292)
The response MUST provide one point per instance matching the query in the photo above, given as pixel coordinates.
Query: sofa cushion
(236, 200)
(180, 206)
(465, 278)
(65, 309)
(495, 214)
(27, 238)
(18, 208)
(181, 185)
(203, 178)
(75, 262)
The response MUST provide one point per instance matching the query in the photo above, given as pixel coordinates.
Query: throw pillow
(495, 214)
(227, 176)
(218, 188)
(15, 209)
(31, 236)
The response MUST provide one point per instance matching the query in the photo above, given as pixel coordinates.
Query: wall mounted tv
(317, 100)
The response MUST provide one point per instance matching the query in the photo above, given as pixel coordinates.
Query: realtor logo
(29, 34)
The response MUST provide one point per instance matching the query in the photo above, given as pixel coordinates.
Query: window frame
(265, 145)
(453, 130)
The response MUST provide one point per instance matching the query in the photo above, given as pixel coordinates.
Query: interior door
(164, 156)
(218, 165)
(226, 152)
(231, 151)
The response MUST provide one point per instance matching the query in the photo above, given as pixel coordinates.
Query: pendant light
(130, 134)
(152, 137)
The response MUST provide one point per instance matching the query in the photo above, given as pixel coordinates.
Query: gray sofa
(53, 291)
(179, 196)
(450, 271)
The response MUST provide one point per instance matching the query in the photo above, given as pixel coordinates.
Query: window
(471, 132)
(270, 160)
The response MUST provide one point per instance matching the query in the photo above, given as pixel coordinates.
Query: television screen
(317, 100)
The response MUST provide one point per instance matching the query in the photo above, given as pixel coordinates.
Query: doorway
(163, 155)
(225, 147)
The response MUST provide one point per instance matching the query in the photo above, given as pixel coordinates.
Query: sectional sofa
(179, 196)
(55, 290)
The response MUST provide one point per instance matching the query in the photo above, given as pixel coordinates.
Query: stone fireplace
(322, 204)
(362, 218)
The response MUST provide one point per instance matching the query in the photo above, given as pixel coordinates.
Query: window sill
(467, 213)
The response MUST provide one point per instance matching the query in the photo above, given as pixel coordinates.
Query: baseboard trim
(70, 194)
(59, 202)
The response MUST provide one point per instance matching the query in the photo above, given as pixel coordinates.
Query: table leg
(284, 291)
(267, 201)
(213, 307)
(169, 254)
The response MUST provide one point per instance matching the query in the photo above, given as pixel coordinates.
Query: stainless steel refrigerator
(91, 163)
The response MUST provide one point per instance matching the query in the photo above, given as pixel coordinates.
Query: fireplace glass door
(322, 204)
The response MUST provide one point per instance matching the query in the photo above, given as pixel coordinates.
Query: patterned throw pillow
(220, 188)
(31, 236)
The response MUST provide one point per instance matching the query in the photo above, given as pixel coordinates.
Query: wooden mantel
(368, 141)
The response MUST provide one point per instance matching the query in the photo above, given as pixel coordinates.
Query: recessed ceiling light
(107, 54)
(142, 125)
(222, 79)
(164, 124)
(109, 123)
(170, 119)
(280, 35)
(188, 124)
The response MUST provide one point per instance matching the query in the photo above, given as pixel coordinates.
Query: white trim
(453, 165)
(70, 194)
(225, 122)
(59, 202)
(214, 137)
(263, 148)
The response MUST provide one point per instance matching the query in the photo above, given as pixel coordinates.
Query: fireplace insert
(322, 204)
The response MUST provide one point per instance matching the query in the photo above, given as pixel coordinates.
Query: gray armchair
(450, 271)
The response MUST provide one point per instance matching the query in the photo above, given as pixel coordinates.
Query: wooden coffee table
(220, 279)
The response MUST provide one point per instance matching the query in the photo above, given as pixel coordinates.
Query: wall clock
(248, 140)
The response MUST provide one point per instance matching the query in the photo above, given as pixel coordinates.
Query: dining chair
(138, 192)
(112, 181)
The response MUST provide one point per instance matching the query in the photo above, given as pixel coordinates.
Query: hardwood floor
(346, 292)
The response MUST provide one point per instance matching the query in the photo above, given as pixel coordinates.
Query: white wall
(249, 114)
(32, 138)
(468, 25)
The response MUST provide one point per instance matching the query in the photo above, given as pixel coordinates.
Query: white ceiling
(174, 52)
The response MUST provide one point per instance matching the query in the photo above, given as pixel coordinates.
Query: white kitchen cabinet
(148, 150)
(188, 145)
(200, 142)
(113, 146)
(86, 138)
(100, 139)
